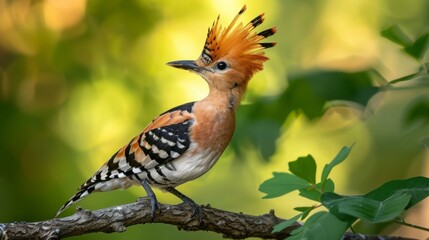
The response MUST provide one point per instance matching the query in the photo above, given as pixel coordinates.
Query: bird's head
(231, 55)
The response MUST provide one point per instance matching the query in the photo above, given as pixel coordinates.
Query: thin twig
(402, 222)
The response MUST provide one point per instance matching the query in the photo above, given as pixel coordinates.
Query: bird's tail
(83, 192)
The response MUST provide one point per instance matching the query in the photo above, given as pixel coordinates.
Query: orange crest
(237, 41)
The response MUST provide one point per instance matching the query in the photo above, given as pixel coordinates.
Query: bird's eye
(221, 65)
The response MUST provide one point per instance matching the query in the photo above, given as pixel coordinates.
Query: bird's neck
(225, 100)
(215, 119)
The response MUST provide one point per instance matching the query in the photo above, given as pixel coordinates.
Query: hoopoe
(184, 142)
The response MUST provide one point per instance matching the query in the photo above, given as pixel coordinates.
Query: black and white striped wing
(165, 139)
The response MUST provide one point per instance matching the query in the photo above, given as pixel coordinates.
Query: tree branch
(116, 219)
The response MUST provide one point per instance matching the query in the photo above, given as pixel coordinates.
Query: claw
(196, 209)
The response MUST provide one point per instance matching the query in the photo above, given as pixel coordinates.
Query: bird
(183, 143)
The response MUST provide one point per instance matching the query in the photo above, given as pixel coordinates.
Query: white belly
(187, 167)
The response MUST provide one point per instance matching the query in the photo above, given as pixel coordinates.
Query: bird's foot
(197, 210)
(154, 207)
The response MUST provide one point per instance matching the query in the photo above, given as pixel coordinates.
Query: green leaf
(321, 226)
(282, 183)
(313, 219)
(331, 201)
(396, 35)
(407, 78)
(385, 202)
(418, 48)
(305, 211)
(418, 187)
(301, 209)
(329, 186)
(279, 227)
(315, 192)
(375, 211)
(341, 156)
(310, 193)
(305, 168)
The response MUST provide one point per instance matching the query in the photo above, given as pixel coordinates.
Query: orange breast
(214, 126)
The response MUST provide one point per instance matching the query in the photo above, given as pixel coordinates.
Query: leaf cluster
(384, 204)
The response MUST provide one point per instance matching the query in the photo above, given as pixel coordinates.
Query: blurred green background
(80, 78)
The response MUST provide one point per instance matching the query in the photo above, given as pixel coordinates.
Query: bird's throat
(225, 100)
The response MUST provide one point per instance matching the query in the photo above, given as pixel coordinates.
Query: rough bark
(116, 219)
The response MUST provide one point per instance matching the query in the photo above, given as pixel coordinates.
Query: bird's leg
(196, 209)
(153, 201)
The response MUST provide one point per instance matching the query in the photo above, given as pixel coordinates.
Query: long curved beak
(186, 65)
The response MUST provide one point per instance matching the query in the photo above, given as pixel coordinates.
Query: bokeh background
(80, 78)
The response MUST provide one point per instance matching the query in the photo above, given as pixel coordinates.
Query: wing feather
(163, 140)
